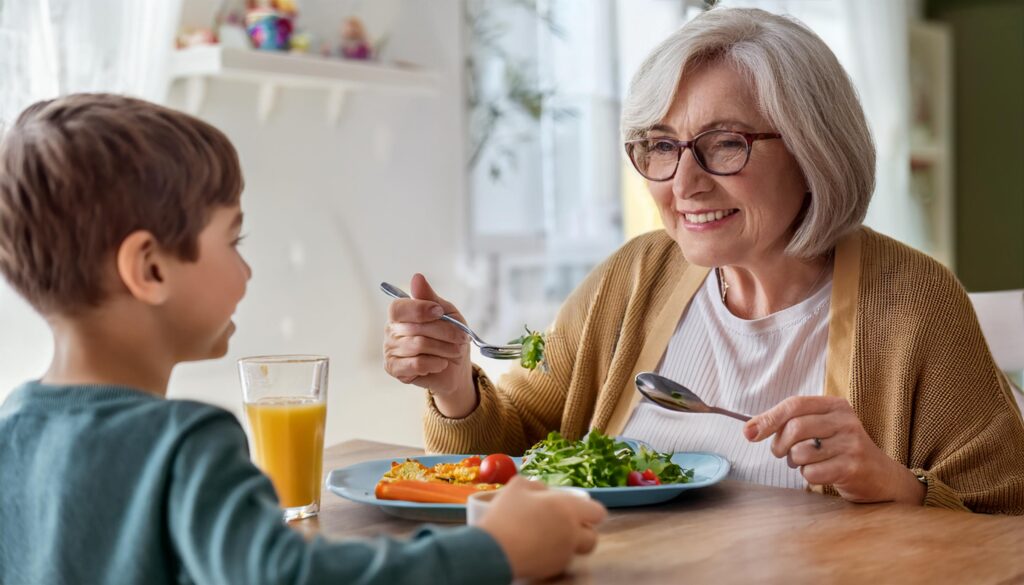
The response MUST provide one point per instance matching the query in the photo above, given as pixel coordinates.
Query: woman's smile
(707, 219)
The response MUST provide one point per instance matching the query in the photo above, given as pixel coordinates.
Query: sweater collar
(842, 314)
(34, 393)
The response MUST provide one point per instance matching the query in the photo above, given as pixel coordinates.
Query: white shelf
(272, 70)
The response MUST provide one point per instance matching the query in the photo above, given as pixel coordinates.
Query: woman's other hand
(824, 438)
(421, 349)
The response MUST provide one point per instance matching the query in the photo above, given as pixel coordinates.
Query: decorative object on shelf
(355, 44)
(301, 41)
(215, 22)
(289, 7)
(268, 29)
(195, 37)
(270, 23)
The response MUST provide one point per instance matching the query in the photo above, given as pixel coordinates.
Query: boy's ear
(142, 267)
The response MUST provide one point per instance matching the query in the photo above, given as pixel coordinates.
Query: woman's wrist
(459, 403)
(909, 489)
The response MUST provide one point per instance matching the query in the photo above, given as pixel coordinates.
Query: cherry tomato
(635, 478)
(497, 468)
(649, 476)
(473, 461)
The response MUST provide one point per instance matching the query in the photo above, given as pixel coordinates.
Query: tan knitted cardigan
(904, 348)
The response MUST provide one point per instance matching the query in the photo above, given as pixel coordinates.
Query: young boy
(119, 223)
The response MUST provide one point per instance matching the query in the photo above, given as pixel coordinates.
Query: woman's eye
(663, 146)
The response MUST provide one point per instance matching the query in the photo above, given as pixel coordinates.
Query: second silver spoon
(674, 396)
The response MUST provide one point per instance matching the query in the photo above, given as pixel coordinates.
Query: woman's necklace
(723, 286)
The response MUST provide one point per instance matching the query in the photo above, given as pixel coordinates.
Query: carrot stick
(429, 492)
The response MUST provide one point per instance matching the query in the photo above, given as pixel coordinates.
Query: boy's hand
(540, 529)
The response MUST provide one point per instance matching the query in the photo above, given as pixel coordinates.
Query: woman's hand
(824, 438)
(421, 349)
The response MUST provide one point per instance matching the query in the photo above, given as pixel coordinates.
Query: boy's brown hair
(78, 174)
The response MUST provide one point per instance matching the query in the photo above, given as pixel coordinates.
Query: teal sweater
(102, 484)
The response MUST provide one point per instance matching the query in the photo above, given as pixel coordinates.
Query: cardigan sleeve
(967, 434)
(938, 494)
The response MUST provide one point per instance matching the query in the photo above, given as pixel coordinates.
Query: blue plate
(357, 483)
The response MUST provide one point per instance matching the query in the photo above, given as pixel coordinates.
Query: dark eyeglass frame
(748, 137)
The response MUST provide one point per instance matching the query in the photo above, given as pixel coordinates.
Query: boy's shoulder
(186, 412)
(98, 413)
(178, 419)
(34, 395)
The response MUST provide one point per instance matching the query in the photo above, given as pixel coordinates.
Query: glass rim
(283, 359)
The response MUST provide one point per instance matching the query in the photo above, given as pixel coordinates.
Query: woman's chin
(700, 253)
(699, 260)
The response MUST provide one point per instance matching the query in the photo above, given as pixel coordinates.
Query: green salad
(599, 461)
(533, 350)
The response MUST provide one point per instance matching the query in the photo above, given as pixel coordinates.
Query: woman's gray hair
(801, 89)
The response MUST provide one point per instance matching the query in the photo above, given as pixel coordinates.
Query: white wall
(330, 212)
(25, 348)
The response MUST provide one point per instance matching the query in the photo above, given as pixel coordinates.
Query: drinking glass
(286, 406)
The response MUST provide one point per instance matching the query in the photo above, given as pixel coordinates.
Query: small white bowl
(478, 503)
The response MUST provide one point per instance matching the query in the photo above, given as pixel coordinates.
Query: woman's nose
(689, 179)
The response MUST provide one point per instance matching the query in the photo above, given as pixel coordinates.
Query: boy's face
(205, 292)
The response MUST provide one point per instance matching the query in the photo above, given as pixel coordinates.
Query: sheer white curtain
(870, 39)
(54, 47)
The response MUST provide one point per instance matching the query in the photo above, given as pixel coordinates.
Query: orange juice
(288, 445)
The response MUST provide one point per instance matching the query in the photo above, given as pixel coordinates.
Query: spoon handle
(734, 415)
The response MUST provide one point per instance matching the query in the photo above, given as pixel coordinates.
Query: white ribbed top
(746, 366)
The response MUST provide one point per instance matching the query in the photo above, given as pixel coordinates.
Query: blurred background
(477, 142)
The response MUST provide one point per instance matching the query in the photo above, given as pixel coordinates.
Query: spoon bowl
(674, 396)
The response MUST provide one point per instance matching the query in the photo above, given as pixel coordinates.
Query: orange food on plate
(428, 492)
(444, 483)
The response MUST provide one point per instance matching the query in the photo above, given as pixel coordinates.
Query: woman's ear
(142, 267)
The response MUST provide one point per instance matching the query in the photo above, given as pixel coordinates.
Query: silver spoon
(497, 352)
(674, 396)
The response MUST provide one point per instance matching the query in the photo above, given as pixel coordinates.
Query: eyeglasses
(719, 152)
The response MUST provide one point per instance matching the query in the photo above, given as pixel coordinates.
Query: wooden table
(737, 532)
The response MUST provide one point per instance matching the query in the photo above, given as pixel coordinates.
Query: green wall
(988, 71)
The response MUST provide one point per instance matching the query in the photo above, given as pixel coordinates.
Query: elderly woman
(763, 293)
